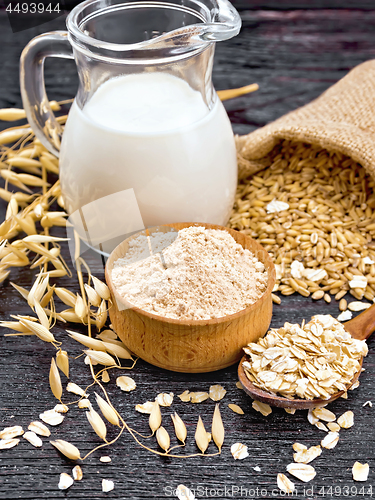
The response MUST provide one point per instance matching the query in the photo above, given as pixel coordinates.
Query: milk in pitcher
(151, 132)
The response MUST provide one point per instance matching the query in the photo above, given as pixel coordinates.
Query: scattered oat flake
(145, 407)
(346, 420)
(105, 459)
(368, 403)
(344, 395)
(330, 440)
(65, 482)
(311, 418)
(297, 269)
(185, 396)
(5, 444)
(358, 306)
(11, 432)
(292, 411)
(75, 389)
(39, 428)
(360, 471)
(77, 473)
(84, 403)
(303, 472)
(276, 206)
(33, 439)
(51, 417)
(321, 426)
(125, 383)
(60, 408)
(257, 469)
(308, 455)
(165, 399)
(236, 409)
(345, 316)
(198, 397)
(354, 386)
(183, 493)
(239, 451)
(263, 408)
(105, 376)
(107, 485)
(332, 426)
(324, 414)
(239, 385)
(285, 484)
(358, 283)
(299, 447)
(217, 392)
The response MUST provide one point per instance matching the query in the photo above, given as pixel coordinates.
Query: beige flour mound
(202, 274)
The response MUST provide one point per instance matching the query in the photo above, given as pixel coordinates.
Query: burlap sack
(341, 119)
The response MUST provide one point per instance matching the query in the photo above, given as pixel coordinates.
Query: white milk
(151, 133)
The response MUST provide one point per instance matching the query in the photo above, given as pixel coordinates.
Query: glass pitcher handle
(34, 97)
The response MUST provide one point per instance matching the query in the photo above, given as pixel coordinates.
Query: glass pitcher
(147, 140)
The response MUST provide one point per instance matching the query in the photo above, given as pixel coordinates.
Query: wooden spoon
(359, 328)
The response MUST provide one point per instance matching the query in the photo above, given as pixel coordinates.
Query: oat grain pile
(203, 274)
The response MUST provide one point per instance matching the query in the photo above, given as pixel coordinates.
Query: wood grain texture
(294, 56)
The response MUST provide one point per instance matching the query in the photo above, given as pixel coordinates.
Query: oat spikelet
(117, 350)
(39, 330)
(42, 316)
(101, 316)
(201, 436)
(108, 411)
(162, 437)
(97, 423)
(80, 309)
(92, 295)
(101, 357)
(67, 449)
(155, 417)
(66, 296)
(101, 288)
(62, 361)
(179, 428)
(94, 344)
(55, 380)
(217, 429)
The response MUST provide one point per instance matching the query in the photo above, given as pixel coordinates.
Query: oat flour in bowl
(201, 274)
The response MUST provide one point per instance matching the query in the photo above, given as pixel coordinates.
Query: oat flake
(360, 471)
(302, 471)
(183, 493)
(330, 441)
(145, 407)
(239, 451)
(165, 399)
(217, 392)
(285, 484)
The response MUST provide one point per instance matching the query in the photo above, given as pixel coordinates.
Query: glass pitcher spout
(226, 23)
(193, 24)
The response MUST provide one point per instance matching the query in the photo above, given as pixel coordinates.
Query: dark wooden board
(294, 55)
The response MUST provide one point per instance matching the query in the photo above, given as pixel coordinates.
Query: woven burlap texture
(341, 119)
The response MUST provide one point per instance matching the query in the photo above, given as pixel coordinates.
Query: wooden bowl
(191, 346)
